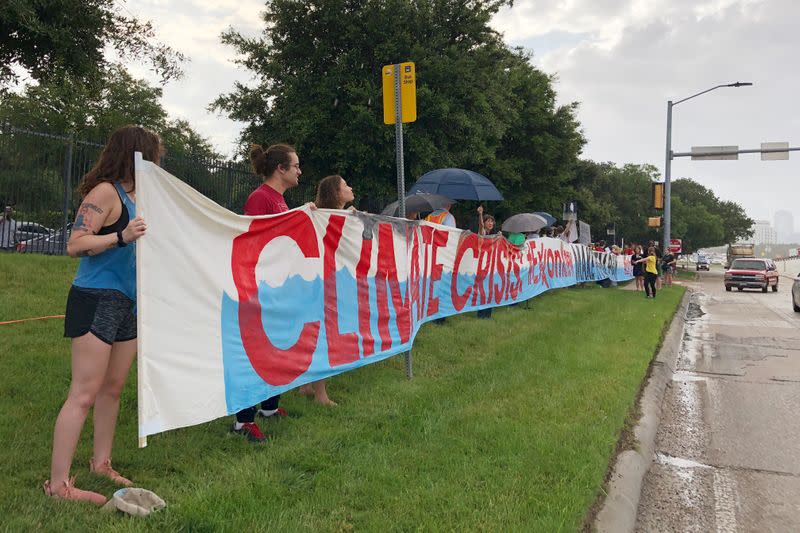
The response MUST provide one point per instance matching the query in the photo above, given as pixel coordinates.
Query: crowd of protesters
(101, 306)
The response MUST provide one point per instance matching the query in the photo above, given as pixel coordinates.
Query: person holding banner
(101, 308)
(485, 227)
(486, 223)
(442, 216)
(668, 264)
(638, 269)
(569, 233)
(333, 192)
(279, 166)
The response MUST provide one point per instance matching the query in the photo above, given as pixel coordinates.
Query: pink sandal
(71, 492)
(104, 469)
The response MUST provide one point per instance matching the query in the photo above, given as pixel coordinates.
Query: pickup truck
(739, 250)
(752, 273)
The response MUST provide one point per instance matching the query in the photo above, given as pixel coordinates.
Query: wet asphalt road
(728, 445)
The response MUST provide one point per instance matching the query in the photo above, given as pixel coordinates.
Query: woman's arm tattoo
(86, 214)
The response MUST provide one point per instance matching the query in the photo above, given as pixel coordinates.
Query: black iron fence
(39, 174)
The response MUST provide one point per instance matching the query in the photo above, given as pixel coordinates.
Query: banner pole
(138, 162)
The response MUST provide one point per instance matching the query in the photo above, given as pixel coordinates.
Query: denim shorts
(106, 313)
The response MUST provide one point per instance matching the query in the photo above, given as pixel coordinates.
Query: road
(728, 444)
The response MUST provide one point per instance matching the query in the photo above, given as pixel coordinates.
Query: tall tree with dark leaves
(47, 39)
(480, 104)
(91, 111)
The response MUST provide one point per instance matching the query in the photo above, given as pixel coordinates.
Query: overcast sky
(621, 59)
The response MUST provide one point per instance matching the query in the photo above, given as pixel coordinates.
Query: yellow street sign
(408, 93)
(654, 222)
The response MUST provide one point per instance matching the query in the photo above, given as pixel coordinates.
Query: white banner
(234, 309)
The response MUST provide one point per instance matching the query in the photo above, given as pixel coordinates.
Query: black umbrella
(421, 202)
(547, 216)
(458, 184)
(524, 223)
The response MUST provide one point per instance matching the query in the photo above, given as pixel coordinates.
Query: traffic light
(658, 195)
(654, 222)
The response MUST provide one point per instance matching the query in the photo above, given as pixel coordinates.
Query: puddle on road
(692, 342)
(718, 353)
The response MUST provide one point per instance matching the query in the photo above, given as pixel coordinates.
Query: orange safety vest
(439, 218)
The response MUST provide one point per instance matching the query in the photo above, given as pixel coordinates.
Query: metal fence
(39, 174)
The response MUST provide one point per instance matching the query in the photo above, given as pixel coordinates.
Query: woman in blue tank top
(101, 308)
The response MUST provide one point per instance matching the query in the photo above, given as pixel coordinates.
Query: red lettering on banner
(500, 268)
(532, 279)
(558, 264)
(515, 287)
(274, 365)
(387, 274)
(439, 240)
(412, 287)
(570, 263)
(362, 282)
(496, 244)
(427, 239)
(550, 266)
(470, 242)
(484, 262)
(542, 262)
(342, 347)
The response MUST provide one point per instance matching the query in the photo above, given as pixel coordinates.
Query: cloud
(634, 56)
(621, 59)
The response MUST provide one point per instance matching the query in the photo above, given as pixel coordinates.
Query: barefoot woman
(332, 193)
(101, 308)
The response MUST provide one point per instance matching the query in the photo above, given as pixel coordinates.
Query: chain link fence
(39, 174)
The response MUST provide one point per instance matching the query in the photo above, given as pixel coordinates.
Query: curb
(620, 507)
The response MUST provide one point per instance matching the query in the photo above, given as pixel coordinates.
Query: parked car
(752, 273)
(702, 263)
(30, 230)
(51, 244)
(796, 294)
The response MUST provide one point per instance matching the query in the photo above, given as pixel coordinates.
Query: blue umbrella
(547, 216)
(458, 184)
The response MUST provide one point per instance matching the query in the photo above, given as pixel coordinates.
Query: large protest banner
(234, 309)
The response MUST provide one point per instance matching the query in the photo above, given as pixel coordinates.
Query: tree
(607, 194)
(91, 111)
(53, 38)
(703, 220)
(32, 166)
(481, 105)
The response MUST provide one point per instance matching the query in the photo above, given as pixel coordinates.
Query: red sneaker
(71, 492)
(251, 431)
(280, 412)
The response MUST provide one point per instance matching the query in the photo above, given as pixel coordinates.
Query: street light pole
(668, 183)
(668, 163)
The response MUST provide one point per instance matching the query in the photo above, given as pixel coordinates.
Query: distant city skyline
(784, 226)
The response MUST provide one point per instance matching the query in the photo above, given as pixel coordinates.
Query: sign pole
(398, 142)
(401, 181)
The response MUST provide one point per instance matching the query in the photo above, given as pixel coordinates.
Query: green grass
(508, 425)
